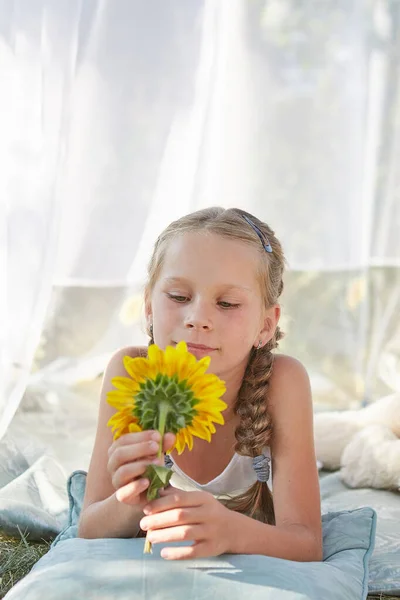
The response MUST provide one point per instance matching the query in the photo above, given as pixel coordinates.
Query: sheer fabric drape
(117, 117)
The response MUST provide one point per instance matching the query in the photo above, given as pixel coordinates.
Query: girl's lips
(199, 346)
(200, 351)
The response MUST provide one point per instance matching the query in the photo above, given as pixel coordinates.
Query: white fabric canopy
(119, 116)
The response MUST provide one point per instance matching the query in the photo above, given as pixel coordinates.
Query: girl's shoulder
(115, 366)
(284, 365)
(289, 384)
(131, 351)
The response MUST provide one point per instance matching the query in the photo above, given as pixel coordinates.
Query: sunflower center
(165, 402)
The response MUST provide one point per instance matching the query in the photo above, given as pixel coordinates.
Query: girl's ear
(270, 324)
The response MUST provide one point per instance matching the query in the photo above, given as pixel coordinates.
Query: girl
(215, 278)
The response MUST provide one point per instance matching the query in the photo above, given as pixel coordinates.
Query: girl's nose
(198, 318)
(197, 324)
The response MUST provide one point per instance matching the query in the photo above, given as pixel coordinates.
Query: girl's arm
(102, 514)
(297, 534)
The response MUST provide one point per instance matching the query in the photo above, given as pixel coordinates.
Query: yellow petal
(121, 418)
(156, 358)
(211, 404)
(120, 400)
(180, 442)
(181, 347)
(202, 387)
(188, 438)
(200, 430)
(185, 361)
(125, 384)
(196, 373)
(212, 416)
(139, 368)
(170, 361)
(212, 427)
(134, 427)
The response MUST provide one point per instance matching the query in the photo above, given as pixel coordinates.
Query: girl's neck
(233, 382)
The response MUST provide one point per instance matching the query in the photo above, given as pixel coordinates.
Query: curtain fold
(118, 117)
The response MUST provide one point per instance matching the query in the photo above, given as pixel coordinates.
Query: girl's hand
(178, 515)
(128, 458)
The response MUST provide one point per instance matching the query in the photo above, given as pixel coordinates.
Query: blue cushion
(117, 568)
(384, 566)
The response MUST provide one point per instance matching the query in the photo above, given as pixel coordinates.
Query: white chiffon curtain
(118, 116)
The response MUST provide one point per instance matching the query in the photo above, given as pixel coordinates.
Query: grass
(17, 557)
(382, 597)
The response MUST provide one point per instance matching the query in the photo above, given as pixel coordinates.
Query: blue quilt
(110, 568)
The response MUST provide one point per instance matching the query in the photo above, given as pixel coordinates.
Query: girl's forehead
(211, 256)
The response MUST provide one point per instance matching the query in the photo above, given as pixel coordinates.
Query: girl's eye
(177, 298)
(228, 305)
(181, 299)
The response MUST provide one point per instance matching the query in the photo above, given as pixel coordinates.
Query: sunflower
(169, 391)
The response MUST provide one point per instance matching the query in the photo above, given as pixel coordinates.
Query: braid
(254, 431)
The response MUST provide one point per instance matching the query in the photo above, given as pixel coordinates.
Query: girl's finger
(197, 550)
(135, 438)
(168, 441)
(173, 518)
(129, 453)
(130, 493)
(176, 534)
(126, 473)
(171, 497)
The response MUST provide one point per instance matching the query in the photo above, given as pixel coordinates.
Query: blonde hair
(255, 428)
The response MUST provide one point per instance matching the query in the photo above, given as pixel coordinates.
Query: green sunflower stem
(159, 476)
(162, 419)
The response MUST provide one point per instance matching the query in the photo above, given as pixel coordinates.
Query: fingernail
(143, 525)
(156, 436)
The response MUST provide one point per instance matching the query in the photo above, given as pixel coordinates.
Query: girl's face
(209, 296)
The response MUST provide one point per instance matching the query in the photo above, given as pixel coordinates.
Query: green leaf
(159, 478)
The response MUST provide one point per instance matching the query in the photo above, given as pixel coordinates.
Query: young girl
(215, 278)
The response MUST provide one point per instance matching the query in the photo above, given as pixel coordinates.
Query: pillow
(117, 568)
(384, 566)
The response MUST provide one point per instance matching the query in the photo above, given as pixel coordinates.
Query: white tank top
(236, 478)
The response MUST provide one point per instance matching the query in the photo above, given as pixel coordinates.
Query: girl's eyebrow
(225, 286)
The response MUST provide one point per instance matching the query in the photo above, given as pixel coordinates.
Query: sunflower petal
(199, 369)
(188, 438)
(200, 430)
(211, 404)
(156, 358)
(125, 384)
(185, 362)
(134, 427)
(180, 442)
(211, 416)
(120, 400)
(139, 368)
(212, 427)
(170, 361)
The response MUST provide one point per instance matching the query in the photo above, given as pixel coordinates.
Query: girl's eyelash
(181, 299)
(230, 305)
(177, 297)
